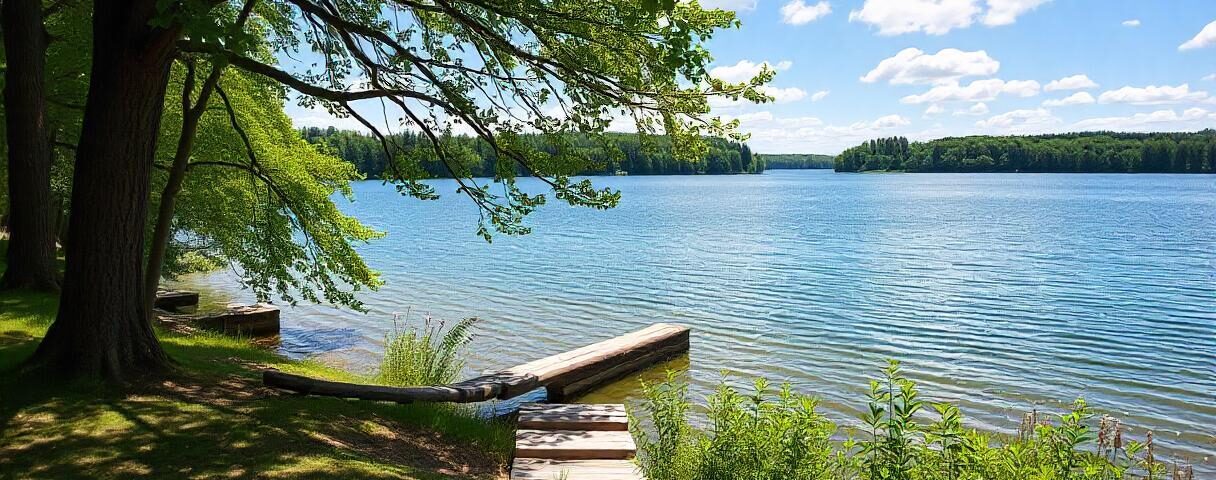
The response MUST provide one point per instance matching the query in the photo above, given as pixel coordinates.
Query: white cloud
(1006, 12)
(784, 95)
(1135, 22)
(745, 70)
(820, 95)
(934, 110)
(318, 116)
(1205, 38)
(912, 66)
(1079, 98)
(797, 12)
(937, 17)
(733, 5)
(1160, 120)
(890, 121)
(1210, 77)
(975, 110)
(1020, 121)
(1075, 82)
(772, 133)
(934, 17)
(977, 91)
(1152, 95)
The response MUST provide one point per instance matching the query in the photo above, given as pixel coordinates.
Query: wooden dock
(574, 441)
(175, 300)
(565, 375)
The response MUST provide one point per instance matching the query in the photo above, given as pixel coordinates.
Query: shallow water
(1000, 292)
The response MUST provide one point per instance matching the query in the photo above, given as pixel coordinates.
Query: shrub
(770, 436)
(428, 355)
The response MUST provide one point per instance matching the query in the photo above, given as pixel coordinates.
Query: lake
(1000, 292)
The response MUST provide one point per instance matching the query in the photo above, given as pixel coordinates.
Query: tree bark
(31, 246)
(102, 329)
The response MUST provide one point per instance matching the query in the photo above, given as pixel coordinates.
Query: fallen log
(564, 375)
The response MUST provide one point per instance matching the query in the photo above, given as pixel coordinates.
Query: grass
(212, 419)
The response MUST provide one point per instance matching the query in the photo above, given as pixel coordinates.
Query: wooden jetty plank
(565, 375)
(603, 361)
(174, 299)
(574, 445)
(542, 469)
(542, 416)
(256, 319)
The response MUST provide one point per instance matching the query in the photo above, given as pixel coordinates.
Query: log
(564, 375)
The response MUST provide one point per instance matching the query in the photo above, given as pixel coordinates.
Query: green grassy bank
(211, 418)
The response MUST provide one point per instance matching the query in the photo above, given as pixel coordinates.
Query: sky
(851, 70)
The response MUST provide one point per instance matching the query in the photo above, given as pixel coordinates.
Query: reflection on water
(295, 342)
(999, 292)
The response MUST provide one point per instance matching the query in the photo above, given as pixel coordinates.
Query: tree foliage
(1094, 152)
(779, 161)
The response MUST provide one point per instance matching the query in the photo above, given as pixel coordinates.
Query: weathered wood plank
(595, 359)
(541, 416)
(172, 300)
(256, 319)
(574, 445)
(541, 469)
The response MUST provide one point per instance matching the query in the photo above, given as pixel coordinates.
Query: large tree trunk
(102, 329)
(31, 247)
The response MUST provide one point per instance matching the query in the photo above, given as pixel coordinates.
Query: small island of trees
(1090, 152)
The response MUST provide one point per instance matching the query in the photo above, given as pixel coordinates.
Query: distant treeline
(1091, 152)
(632, 157)
(790, 161)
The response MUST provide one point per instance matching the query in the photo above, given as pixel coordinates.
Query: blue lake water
(1000, 292)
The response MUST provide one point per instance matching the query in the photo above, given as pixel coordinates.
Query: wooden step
(542, 416)
(574, 445)
(540, 469)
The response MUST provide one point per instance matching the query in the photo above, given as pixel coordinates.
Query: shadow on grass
(212, 418)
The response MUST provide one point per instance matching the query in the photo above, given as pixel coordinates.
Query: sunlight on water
(999, 292)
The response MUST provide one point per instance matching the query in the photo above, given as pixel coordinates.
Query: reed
(428, 354)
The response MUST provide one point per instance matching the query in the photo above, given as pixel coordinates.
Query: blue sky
(1137, 73)
(850, 70)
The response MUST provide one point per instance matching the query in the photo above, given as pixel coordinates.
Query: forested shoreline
(796, 161)
(1088, 152)
(614, 154)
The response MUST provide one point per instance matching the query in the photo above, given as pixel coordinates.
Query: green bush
(778, 435)
(428, 355)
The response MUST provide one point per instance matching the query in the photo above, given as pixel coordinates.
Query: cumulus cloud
(977, 91)
(797, 12)
(1210, 77)
(1160, 120)
(1135, 22)
(1205, 38)
(784, 95)
(890, 121)
(1079, 98)
(1006, 12)
(937, 17)
(913, 66)
(820, 95)
(1024, 121)
(774, 133)
(934, 17)
(934, 110)
(733, 5)
(975, 110)
(745, 70)
(1153, 95)
(1075, 82)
